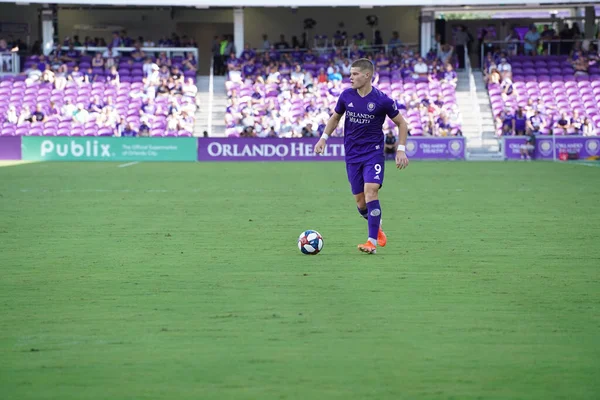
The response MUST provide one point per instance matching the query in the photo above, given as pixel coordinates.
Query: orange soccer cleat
(381, 238)
(368, 248)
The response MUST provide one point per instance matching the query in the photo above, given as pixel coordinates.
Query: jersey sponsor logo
(359, 118)
(371, 106)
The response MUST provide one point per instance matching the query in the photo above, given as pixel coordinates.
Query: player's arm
(402, 130)
(401, 159)
(332, 124)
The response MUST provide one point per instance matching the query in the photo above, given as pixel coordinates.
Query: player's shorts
(370, 171)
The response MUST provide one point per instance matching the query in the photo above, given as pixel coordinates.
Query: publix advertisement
(58, 148)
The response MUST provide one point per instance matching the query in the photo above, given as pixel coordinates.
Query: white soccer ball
(310, 242)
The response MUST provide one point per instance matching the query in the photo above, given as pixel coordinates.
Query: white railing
(10, 63)
(515, 47)
(473, 94)
(211, 91)
(170, 51)
(346, 49)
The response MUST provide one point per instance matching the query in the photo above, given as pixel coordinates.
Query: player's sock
(374, 220)
(364, 213)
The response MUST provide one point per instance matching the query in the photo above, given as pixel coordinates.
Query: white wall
(12, 13)
(151, 24)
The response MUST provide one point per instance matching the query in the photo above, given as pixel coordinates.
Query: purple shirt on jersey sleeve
(363, 134)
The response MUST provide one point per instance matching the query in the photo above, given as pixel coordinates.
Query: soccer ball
(310, 242)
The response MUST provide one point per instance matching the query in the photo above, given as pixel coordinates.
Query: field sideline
(184, 281)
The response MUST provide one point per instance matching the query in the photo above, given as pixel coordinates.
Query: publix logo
(89, 148)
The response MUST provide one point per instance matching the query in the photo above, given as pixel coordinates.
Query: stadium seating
(272, 103)
(553, 80)
(127, 100)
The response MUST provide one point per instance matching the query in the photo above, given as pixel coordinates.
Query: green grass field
(183, 281)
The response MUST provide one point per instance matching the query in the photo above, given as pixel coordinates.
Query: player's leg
(361, 204)
(357, 185)
(373, 174)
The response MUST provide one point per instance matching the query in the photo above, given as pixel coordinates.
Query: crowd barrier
(547, 147)
(82, 148)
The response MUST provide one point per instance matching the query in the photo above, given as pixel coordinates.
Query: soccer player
(366, 108)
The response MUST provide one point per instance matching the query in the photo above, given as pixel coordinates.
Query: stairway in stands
(218, 106)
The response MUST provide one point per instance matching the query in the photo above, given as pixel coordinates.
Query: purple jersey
(363, 134)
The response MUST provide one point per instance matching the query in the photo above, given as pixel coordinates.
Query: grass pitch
(183, 281)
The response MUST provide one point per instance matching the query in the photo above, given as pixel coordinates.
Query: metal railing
(548, 47)
(211, 91)
(473, 93)
(387, 49)
(10, 63)
(169, 51)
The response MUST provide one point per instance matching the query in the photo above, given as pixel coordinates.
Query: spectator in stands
(547, 33)
(189, 65)
(455, 120)
(38, 115)
(507, 88)
(335, 75)
(298, 75)
(562, 125)
(531, 41)
(519, 122)
(395, 43)
(450, 76)
(72, 54)
(581, 66)
(110, 52)
(535, 123)
(113, 76)
(588, 128)
(25, 115)
(266, 45)
(282, 44)
(308, 130)
(33, 75)
(81, 115)
(128, 131)
(68, 108)
(505, 120)
(505, 69)
(48, 75)
(11, 115)
(443, 127)
(512, 42)
(461, 40)
(420, 68)
(576, 123)
(98, 61)
(76, 75)
(189, 88)
(445, 53)
(390, 144)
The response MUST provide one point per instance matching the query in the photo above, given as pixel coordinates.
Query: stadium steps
(481, 145)
(218, 107)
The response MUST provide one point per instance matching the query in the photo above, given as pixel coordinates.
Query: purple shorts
(370, 171)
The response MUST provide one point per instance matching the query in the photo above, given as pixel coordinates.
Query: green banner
(61, 148)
